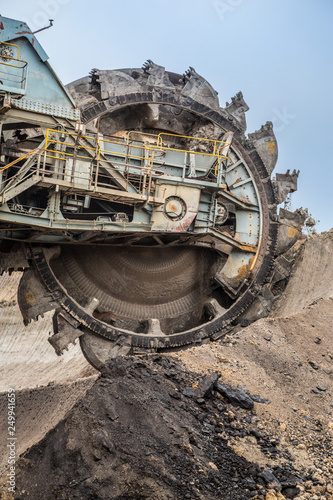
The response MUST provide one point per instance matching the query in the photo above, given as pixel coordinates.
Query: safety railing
(17, 160)
(45, 172)
(154, 152)
(137, 162)
(215, 145)
(13, 70)
(88, 163)
(73, 172)
(66, 147)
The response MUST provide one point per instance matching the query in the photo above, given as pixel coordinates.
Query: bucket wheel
(160, 290)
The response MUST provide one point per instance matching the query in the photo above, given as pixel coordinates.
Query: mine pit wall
(312, 276)
(27, 360)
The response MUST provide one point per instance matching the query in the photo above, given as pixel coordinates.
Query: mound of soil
(38, 411)
(147, 429)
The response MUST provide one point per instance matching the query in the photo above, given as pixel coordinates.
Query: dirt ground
(159, 426)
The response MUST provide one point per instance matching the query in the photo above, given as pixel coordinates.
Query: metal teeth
(11, 270)
(188, 73)
(146, 65)
(27, 321)
(7, 303)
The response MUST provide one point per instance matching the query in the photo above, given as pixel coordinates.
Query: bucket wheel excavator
(136, 207)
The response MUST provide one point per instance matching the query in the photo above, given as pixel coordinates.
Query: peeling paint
(242, 273)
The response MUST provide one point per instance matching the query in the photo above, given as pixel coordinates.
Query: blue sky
(277, 52)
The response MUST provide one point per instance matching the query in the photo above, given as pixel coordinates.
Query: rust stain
(185, 224)
(29, 296)
(248, 248)
(1, 26)
(243, 272)
(108, 315)
(173, 207)
(270, 147)
(292, 232)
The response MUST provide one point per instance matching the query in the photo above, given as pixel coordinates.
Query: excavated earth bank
(162, 427)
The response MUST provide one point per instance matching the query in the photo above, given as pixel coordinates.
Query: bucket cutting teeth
(13, 261)
(154, 327)
(65, 331)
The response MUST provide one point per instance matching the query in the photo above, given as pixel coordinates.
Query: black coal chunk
(235, 396)
(207, 385)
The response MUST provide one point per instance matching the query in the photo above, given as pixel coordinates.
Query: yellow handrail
(146, 168)
(12, 45)
(159, 139)
(21, 158)
(13, 65)
(146, 147)
(149, 148)
(74, 134)
(152, 147)
(12, 58)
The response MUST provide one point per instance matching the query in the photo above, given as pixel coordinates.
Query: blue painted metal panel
(248, 225)
(43, 85)
(11, 29)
